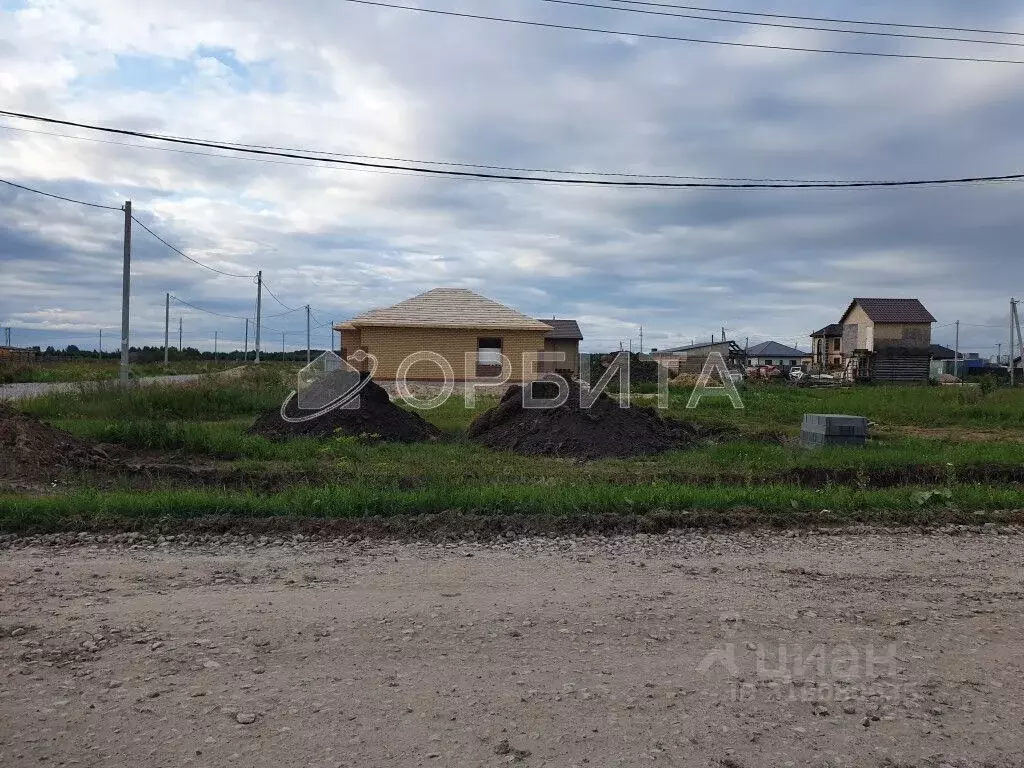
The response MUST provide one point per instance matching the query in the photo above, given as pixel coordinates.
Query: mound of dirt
(376, 417)
(602, 431)
(32, 450)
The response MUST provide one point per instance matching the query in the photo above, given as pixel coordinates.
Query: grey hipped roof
(447, 308)
(892, 310)
(774, 349)
(568, 330)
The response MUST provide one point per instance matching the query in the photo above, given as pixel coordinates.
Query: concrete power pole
(215, 346)
(245, 355)
(956, 352)
(101, 343)
(167, 325)
(1012, 307)
(641, 339)
(307, 334)
(126, 290)
(282, 346)
(259, 310)
(179, 334)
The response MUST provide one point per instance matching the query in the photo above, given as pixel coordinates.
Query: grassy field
(100, 370)
(977, 468)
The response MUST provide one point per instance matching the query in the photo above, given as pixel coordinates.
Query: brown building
(826, 347)
(878, 339)
(452, 322)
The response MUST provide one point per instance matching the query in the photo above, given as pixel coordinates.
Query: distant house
(453, 323)
(564, 337)
(826, 347)
(887, 339)
(691, 358)
(775, 354)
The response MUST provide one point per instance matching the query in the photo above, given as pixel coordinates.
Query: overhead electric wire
(274, 296)
(182, 253)
(207, 311)
(233, 145)
(60, 197)
(281, 314)
(780, 25)
(545, 179)
(656, 36)
(821, 18)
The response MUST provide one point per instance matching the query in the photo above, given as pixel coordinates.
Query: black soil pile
(602, 431)
(32, 450)
(375, 418)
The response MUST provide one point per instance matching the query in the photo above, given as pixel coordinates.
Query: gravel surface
(36, 389)
(739, 650)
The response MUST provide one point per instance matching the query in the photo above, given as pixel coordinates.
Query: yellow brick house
(452, 322)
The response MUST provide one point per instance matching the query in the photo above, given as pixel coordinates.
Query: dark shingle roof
(774, 349)
(893, 310)
(940, 352)
(563, 329)
(835, 329)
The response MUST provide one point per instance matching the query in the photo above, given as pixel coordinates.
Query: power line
(280, 314)
(274, 296)
(182, 253)
(780, 25)
(545, 179)
(820, 18)
(655, 36)
(231, 145)
(60, 197)
(207, 311)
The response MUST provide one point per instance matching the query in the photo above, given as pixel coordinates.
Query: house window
(792, 362)
(767, 362)
(835, 344)
(488, 351)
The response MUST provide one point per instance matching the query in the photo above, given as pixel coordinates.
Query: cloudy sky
(349, 78)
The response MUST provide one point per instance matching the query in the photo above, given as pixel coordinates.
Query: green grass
(89, 508)
(779, 406)
(102, 370)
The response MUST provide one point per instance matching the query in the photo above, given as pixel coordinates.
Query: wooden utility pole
(126, 290)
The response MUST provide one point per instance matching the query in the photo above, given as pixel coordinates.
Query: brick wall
(392, 345)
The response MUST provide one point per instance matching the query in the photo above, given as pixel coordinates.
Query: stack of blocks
(824, 429)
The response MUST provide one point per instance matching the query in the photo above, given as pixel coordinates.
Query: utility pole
(245, 355)
(179, 334)
(7, 337)
(215, 346)
(956, 352)
(1020, 337)
(167, 325)
(1012, 306)
(126, 290)
(101, 343)
(641, 339)
(723, 333)
(999, 353)
(282, 346)
(259, 310)
(307, 334)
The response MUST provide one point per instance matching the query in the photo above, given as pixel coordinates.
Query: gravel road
(749, 650)
(35, 389)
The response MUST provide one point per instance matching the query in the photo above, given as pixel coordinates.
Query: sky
(361, 80)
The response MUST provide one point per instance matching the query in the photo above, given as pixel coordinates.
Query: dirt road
(684, 650)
